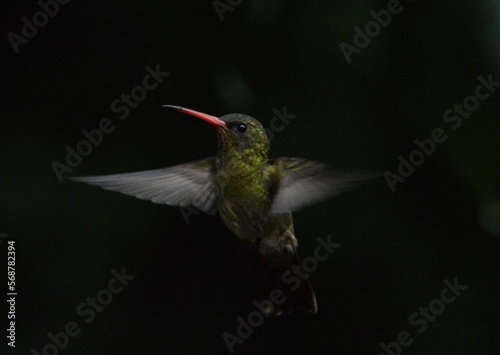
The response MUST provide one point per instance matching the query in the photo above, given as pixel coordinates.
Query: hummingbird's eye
(241, 128)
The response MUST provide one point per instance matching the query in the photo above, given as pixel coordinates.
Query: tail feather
(276, 272)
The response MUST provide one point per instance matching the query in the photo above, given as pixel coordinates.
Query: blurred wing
(189, 184)
(301, 182)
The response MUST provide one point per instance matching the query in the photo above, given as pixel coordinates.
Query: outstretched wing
(300, 182)
(190, 184)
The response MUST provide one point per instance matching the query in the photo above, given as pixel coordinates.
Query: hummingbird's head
(236, 133)
(242, 133)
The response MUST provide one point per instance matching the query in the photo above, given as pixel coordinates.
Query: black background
(193, 280)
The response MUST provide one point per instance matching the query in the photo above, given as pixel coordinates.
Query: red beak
(214, 121)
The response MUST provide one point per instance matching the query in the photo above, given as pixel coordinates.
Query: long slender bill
(214, 121)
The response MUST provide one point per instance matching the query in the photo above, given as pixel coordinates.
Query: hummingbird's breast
(244, 202)
(243, 206)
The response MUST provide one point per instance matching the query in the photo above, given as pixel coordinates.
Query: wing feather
(190, 184)
(302, 182)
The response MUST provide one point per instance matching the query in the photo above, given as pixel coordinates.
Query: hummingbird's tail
(282, 279)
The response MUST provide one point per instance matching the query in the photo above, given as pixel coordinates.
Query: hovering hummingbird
(253, 195)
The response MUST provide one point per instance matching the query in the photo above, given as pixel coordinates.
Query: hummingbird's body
(244, 204)
(242, 180)
(253, 195)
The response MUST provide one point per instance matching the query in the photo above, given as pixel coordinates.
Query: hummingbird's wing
(190, 184)
(299, 182)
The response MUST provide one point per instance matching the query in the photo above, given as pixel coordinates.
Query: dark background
(193, 280)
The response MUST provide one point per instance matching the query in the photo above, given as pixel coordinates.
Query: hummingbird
(254, 196)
